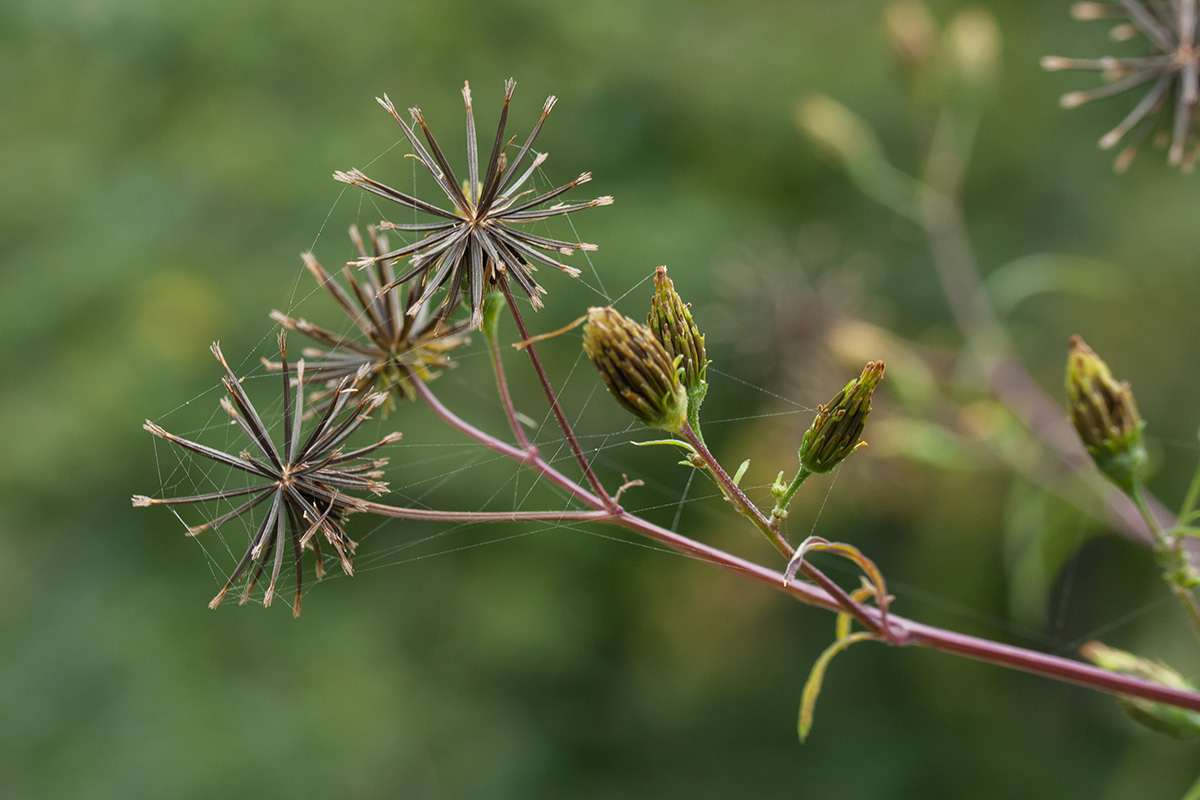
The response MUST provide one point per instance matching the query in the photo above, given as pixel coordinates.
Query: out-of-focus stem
(941, 217)
(1168, 550)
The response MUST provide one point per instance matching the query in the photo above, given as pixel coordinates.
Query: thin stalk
(1189, 501)
(944, 225)
(735, 495)
(529, 458)
(384, 510)
(751, 512)
(506, 402)
(1168, 551)
(785, 499)
(900, 631)
(552, 397)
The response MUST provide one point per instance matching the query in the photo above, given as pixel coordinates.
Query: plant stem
(933, 202)
(506, 399)
(529, 458)
(552, 397)
(751, 512)
(1189, 501)
(384, 510)
(1169, 553)
(900, 631)
(781, 505)
(734, 493)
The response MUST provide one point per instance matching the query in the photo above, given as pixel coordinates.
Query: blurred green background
(165, 164)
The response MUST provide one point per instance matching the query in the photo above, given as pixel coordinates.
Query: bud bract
(670, 320)
(639, 372)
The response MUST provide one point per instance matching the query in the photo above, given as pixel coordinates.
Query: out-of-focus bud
(973, 44)
(1177, 722)
(911, 32)
(836, 431)
(637, 369)
(838, 130)
(1105, 416)
(670, 320)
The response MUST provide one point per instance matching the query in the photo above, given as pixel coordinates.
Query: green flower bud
(1105, 417)
(835, 432)
(1177, 722)
(671, 322)
(640, 373)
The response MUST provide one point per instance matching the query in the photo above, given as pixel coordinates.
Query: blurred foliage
(166, 163)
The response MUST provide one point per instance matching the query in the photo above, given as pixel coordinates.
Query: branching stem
(900, 631)
(552, 397)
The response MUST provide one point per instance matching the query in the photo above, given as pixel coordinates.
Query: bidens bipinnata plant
(412, 308)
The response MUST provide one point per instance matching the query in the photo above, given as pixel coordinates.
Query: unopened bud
(1177, 722)
(911, 31)
(973, 40)
(637, 369)
(1105, 416)
(836, 431)
(670, 320)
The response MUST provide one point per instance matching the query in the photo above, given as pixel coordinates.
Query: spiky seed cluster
(638, 371)
(305, 478)
(1105, 416)
(836, 431)
(671, 321)
(475, 242)
(397, 346)
(1171, 68)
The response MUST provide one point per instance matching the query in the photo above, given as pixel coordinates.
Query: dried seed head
(480, 240)
(300, 484)
(670, 320)
(1105, 416)
(836, 431)
(637, 369)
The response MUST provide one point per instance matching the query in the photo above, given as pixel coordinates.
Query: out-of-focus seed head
(1168, 69)
(838, 428)
(1105, 416)
(638, 370)
(670, 319)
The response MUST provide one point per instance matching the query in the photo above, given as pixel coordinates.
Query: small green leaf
(812, 686)
(493, 304)
(737, 476)
(1017, 281)
(676, 442)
